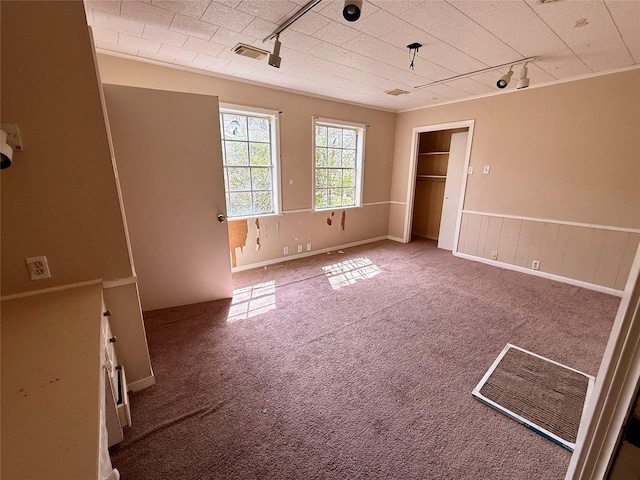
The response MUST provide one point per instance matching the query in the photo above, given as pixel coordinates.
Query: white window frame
(360, 160)
(275, 153)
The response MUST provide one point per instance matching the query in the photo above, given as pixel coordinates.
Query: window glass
(338, 165)
(250, 163)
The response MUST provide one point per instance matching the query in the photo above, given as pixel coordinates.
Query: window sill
(332, 209)
(250, 217)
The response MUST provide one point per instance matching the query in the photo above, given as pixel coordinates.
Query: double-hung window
(250, 160)
(338, 161)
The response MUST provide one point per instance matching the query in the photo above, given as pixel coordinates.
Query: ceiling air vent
(397, 92)
(249, 51)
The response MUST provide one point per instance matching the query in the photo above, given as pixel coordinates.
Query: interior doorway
(437, 180)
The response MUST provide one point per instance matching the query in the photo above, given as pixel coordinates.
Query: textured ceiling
(323, 54)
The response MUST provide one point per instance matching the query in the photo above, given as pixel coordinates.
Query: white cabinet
(118, 413)
(60, 387)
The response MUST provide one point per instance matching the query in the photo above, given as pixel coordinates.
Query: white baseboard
(537, 273)
(395, 239)
(306, 254)
(142, 384)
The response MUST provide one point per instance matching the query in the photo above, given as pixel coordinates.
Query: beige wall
(60, 196)
(567, 152)
(296, 156)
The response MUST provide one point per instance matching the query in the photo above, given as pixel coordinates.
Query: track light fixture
(524, 80)
(484, 70)
(274, 58)
(352, 10)
(504, 80)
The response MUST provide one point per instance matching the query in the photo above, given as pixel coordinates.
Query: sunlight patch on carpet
(543, 395)
(252, 301)
(350, 271)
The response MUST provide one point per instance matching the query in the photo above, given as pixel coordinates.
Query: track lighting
(352, 10)
(503, 81)
(524, 80)
(274, 58)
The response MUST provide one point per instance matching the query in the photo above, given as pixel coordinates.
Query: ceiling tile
(228, 3)
(274, 11)
(146, 13)
(327, 51)
(117, 24)
(597, 43)
(475, 9)
(137, 43)
(299, 41)
(471, 86)
(202, 61)
(537, 74)
(193, 27)
(159, 58)
(626, 14)
(119, 49)
(190, 8)
(231, 38)
(106, 6)
(259, 28)
(163, 35)
(336, 33)
(226, 17)
(169, 51)
(105, 36)
(396, 6)
(483, 46)
(453, 59)
(203, 46)
(310, 23)
(520, 27)
(379, 23)
(216, 65)
(89, 14)
(431, 16)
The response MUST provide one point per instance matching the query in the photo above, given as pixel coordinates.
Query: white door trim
(413, 165)
(615, 388)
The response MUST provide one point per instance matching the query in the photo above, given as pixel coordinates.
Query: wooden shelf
(434, 153)
(437, 177)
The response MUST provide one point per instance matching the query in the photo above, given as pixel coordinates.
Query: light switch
(485, 170)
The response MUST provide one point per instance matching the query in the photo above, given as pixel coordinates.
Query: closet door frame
(413, 165)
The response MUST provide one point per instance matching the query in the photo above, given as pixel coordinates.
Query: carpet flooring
(355, 366)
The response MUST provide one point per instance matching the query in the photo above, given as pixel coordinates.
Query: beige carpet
(355, 366)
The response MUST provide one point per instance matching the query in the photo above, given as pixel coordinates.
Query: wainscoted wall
(594, 254)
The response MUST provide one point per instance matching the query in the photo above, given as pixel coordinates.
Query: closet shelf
(434, 153)
(438, 177)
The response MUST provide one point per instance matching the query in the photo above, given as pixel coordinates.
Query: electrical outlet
(308, 247)
(494, 255)
(38, 268)
(299, 248)
(535, 264)
(470, 170)
(286, 250)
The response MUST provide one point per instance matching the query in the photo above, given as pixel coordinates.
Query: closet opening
(440, 159)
